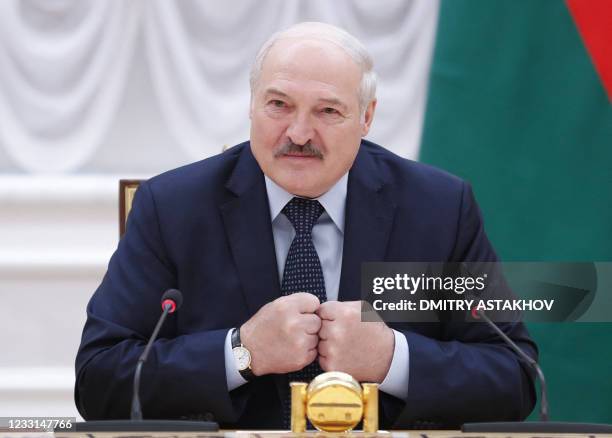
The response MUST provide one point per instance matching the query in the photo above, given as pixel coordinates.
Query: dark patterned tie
(302, 273)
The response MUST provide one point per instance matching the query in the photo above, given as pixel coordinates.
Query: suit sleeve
(467, 374)
(184, 376)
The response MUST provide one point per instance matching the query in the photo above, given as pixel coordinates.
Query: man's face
(305, 118)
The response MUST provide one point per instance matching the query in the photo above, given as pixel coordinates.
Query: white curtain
(62, 70)
(64, 64)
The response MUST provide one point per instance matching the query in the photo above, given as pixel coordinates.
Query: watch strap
(236, 338)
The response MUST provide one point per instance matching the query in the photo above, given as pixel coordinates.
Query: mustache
(307, 149)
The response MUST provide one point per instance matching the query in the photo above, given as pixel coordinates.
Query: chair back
(127, 190)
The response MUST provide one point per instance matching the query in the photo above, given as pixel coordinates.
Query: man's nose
(300, 131)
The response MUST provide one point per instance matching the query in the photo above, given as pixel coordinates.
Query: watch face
(243, 358)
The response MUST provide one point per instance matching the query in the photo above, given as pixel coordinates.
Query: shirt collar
(334, 200)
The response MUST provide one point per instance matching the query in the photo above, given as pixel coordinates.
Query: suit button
(208, 416)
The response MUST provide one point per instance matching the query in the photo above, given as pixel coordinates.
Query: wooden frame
(127, 190)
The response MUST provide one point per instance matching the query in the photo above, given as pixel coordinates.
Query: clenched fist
(282, 335)
(361, 349)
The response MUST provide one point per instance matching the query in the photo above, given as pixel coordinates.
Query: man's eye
(277, 103)
(330, 110)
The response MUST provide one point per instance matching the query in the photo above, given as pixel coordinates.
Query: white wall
(57, 234)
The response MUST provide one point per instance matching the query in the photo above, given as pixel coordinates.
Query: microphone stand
(171, 301)
(542, 426)
(136, 414)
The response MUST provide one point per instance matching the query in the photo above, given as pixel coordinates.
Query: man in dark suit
(266, 243)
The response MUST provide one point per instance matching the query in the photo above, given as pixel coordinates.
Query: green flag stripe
(516, 107)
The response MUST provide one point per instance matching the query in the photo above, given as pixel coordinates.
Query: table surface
(285, 434)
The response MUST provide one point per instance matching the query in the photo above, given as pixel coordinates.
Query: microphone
(479, 313)
(170, 302)
(173, 298)
(542, 426)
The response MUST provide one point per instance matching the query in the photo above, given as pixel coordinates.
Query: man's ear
(368, 117)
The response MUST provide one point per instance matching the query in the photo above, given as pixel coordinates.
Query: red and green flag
(519, 104)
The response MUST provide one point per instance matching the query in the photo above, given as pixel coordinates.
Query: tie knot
(303, 214)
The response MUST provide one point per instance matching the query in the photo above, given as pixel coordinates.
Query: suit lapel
(249, 230)
(369, 218)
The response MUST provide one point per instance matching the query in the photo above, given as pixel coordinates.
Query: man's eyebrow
(275, 92)
(327, 100)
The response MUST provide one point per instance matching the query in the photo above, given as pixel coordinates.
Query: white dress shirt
(328, 239)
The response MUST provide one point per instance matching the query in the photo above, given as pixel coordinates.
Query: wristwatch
(242, 356)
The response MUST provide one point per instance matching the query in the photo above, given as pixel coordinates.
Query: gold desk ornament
(334, 402)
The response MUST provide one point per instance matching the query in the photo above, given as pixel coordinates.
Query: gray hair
(335, 35)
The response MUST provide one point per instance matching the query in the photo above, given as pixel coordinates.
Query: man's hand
(282, 335)
(362, 349)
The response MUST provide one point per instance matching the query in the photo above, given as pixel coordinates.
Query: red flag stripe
(594, 21)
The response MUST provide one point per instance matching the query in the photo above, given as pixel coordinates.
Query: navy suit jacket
(205, 229)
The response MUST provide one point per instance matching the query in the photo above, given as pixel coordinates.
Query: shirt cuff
(232, 375)
(396, 380)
